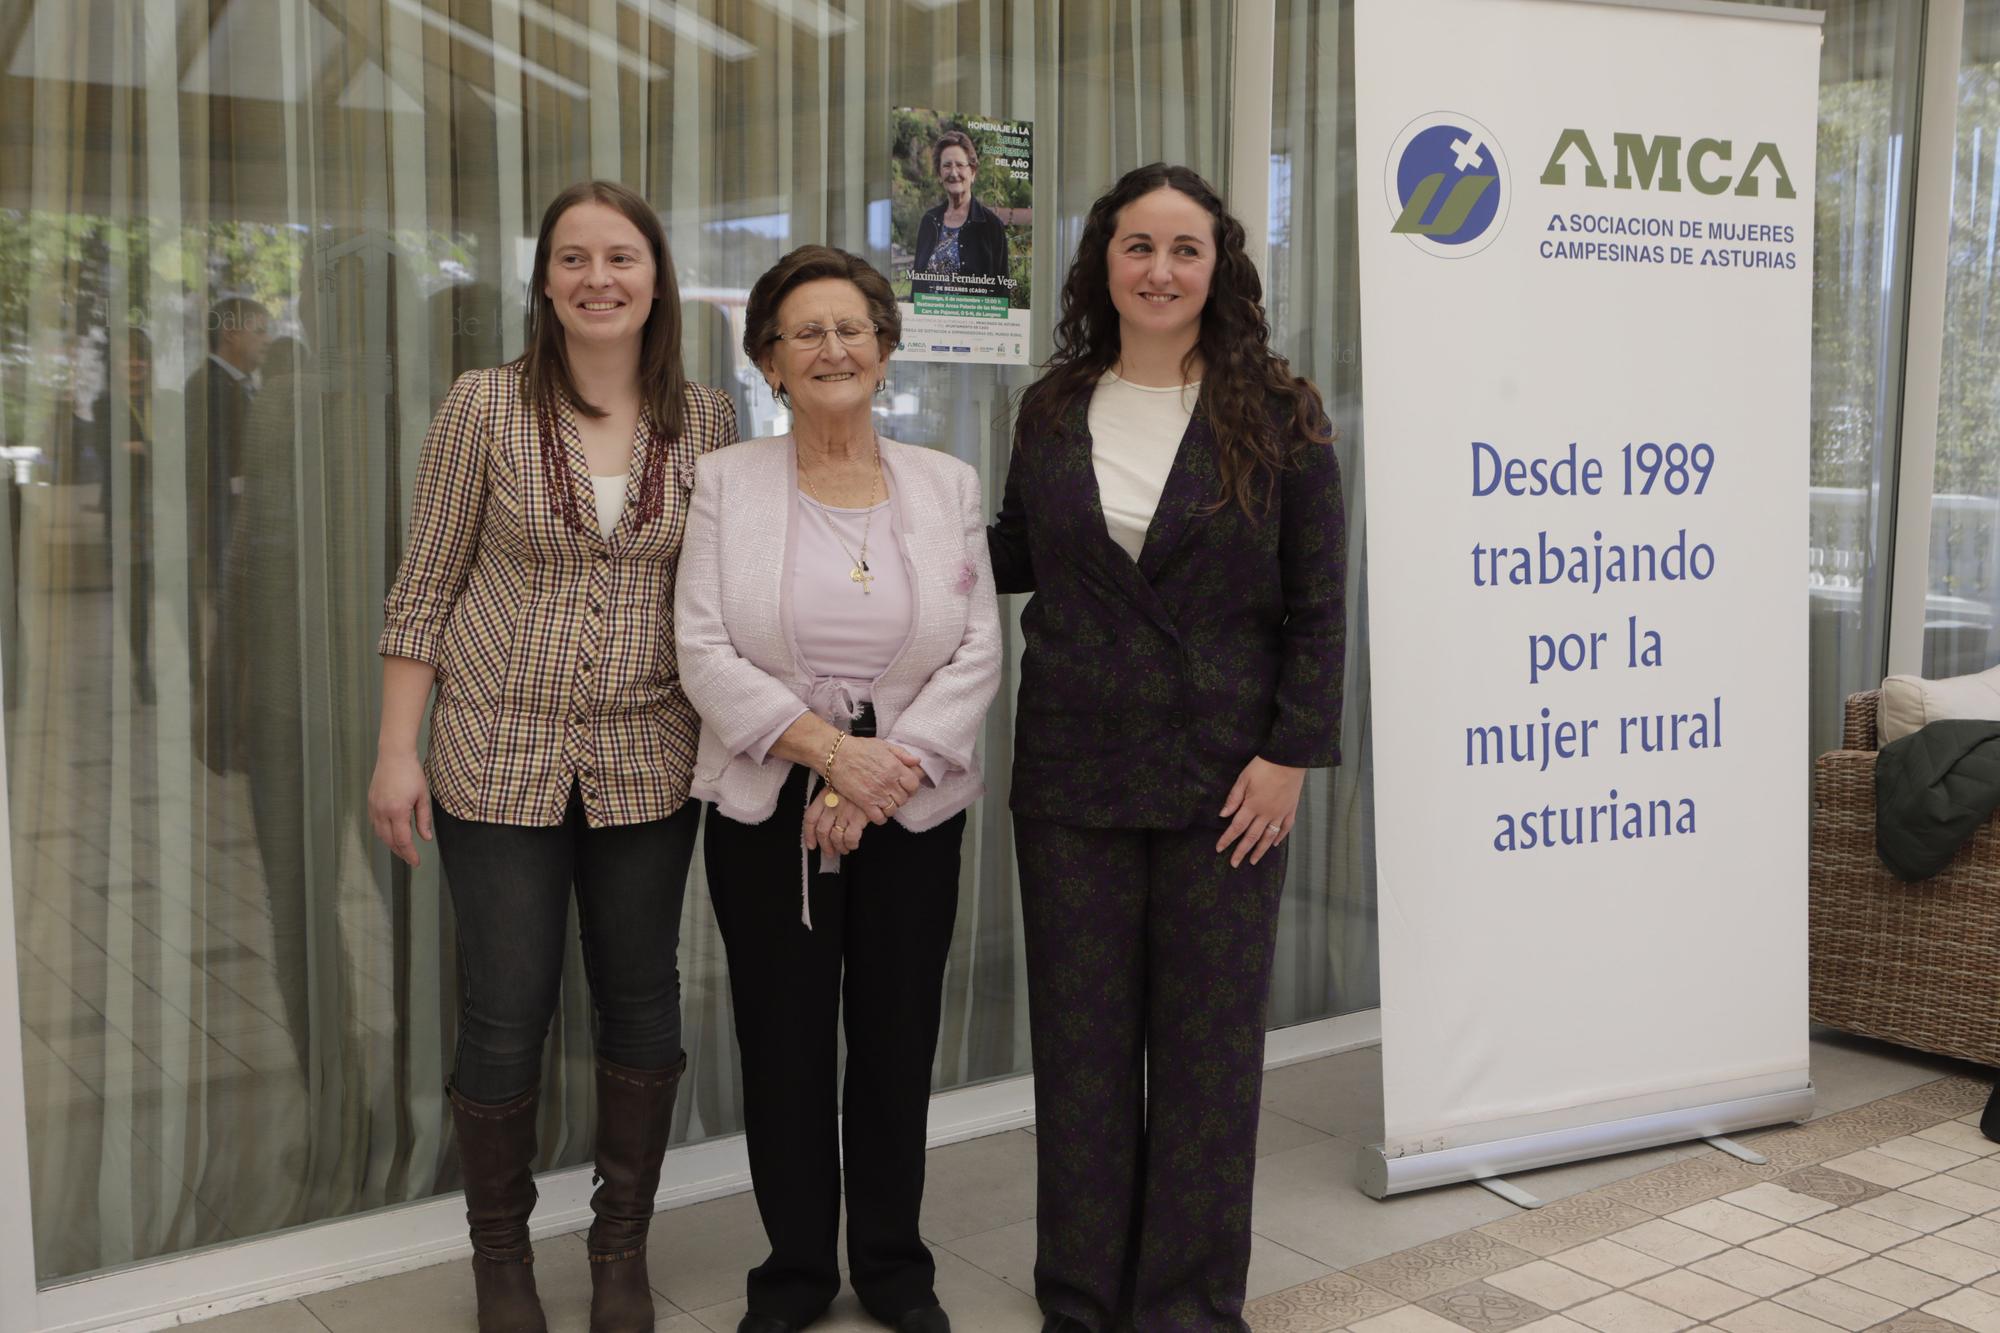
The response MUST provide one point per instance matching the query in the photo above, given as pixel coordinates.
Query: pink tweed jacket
(733, 622)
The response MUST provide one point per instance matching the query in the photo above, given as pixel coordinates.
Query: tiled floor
(1883, 1211)
(1875, 1216)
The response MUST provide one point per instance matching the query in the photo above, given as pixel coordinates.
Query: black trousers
(880, 936)
(510, 887)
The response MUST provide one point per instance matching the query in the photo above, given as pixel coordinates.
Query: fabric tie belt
(833, 700)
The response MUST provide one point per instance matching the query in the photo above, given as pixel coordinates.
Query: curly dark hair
(1248, 391)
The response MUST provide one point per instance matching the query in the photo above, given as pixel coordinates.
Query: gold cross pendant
(860, 575)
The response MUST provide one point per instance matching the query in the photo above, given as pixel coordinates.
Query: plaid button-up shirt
(554, 647)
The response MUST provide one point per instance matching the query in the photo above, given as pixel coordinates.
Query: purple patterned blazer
(1146, 687)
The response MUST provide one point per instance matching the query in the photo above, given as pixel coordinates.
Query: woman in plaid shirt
(536, 593)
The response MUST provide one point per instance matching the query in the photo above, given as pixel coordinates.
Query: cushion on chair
(1911, 702)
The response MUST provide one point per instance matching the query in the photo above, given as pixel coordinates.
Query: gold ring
(840, 828)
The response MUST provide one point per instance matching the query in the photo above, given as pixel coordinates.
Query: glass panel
(1961, 629)
(1327, 960)
(1869, 67)
(1327, 952)
(244, 247)
(1867, 129)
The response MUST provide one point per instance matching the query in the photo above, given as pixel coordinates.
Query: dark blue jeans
(510, 888)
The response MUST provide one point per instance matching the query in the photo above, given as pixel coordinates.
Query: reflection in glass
(1961, 627)
(1861, 228)
(1861, 234)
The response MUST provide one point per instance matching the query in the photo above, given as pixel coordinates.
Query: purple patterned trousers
(1149, 974)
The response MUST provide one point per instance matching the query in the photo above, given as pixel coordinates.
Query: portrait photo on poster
(962, 234)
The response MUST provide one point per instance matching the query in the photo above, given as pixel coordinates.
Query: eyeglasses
(808, 337)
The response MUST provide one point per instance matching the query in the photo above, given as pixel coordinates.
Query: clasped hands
(870, 779)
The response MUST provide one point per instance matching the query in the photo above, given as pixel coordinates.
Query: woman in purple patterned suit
(1174, 505)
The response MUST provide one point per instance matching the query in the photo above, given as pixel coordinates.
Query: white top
(610, 495)
(1135, 435)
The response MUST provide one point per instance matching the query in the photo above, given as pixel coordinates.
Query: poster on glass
(962, 235)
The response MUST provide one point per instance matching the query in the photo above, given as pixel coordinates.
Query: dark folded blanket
(1933, 789)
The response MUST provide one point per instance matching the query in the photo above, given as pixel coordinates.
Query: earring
(881, 387)
(778, 393)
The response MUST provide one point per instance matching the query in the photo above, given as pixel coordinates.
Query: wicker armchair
(1915, 964)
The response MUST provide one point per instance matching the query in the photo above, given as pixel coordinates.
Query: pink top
(840, 630)
(846, 638)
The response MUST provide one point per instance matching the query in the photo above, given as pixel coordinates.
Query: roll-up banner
(1586, 282)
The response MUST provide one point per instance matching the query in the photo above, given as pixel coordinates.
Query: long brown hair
(545, 363)
(1243, 381)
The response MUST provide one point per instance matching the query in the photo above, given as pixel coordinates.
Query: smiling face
(601, 279)
(1160, 263)
(830, 381)
(956, 170)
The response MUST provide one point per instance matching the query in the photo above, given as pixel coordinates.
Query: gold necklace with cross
(860, 573)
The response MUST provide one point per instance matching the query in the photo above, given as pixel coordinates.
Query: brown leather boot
(496, 1148)
(635, 1111)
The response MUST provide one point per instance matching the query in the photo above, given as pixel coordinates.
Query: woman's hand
(876, 776)
(832, 828)
(1264, 802)
(397, 791)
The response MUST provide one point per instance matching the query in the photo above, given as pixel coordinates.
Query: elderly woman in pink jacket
(838, 635)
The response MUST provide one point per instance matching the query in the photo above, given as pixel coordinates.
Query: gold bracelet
(837, 742)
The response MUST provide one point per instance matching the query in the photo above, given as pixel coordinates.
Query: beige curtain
(1327, 961)
(1962, 624)
(1861, 236)
(238, 1011)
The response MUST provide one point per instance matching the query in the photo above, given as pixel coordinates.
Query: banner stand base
(1379, 1176)
(1513, 1194)
(1736, 1150)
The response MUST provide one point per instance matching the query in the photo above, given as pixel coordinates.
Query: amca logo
(1655, 164)
(1447, 184)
